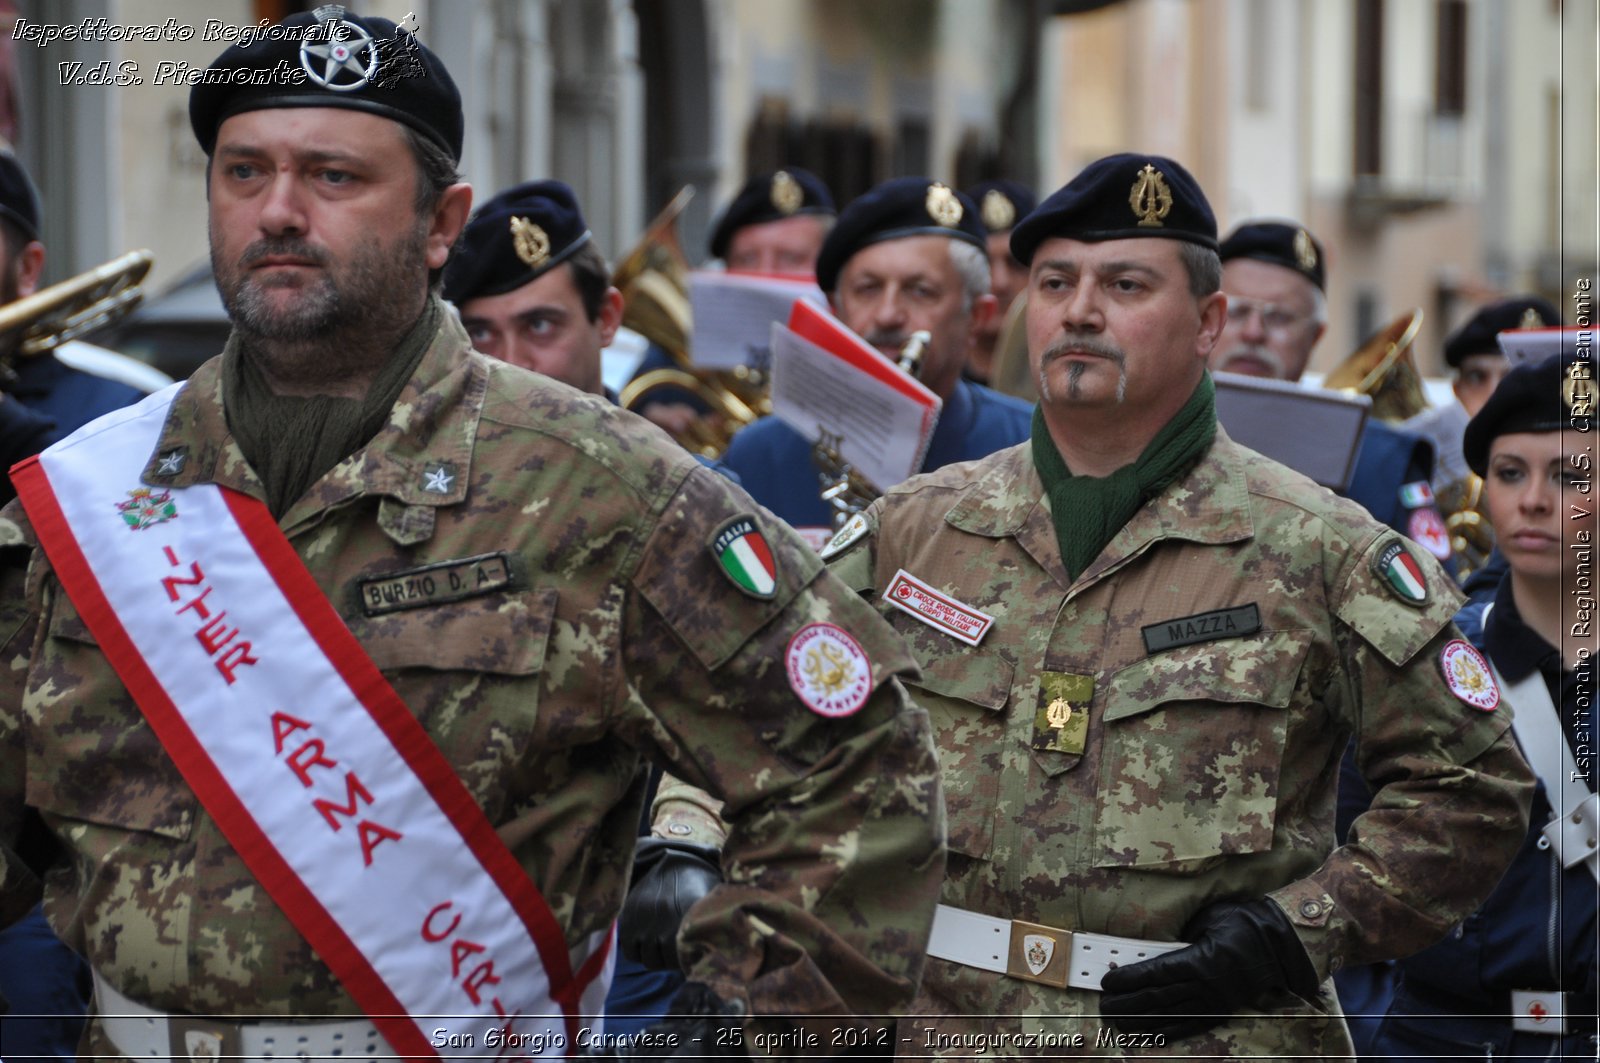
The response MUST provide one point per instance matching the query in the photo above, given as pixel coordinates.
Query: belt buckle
(1534, 1011)
(1039, 953)
(198, 1038)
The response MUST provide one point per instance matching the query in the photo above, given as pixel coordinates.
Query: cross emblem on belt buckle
(1039, 953)
(201, 1039)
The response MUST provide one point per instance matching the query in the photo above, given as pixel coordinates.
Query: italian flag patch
(1401, 574)
(745, 558)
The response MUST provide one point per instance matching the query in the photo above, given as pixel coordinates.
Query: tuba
(846, 491)
(75, 307)
(1381, 368)
(654, 281)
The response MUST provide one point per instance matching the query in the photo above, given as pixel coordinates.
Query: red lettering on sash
(459, 952)
(234, 658)
(198, 604)
(482, 976)
(373, 835)
(284, 725)
(354, 791)
(172, 583)
(211, 636)
(428, 933)
(302, 767)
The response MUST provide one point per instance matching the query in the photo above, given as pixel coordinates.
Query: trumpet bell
(76, 306)
(1381, 368)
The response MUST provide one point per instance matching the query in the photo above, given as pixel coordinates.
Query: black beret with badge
(1121, 197)
(902, 206)
(1002, 203)
(1557, 393)
(771, 197)
(330, 58)
(1477, 336)
(1280, 244)
(19, 199)
(514, 238)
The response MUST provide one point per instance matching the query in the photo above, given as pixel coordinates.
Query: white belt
(1032, 952)
(153, 1036)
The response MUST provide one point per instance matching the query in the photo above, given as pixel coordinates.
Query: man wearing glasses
(1273, 274)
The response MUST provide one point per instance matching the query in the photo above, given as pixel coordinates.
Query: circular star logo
(347, 61)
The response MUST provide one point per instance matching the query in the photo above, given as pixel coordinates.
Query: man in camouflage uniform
(600, 623)
(1144, 648)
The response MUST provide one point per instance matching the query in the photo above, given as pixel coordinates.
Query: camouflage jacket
(620, 636)
(1213, 661)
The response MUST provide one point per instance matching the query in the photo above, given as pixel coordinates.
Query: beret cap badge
(943, 206)
(1531, 319)
(1150, 197)
(531, 242)
(787, 195)
(1305, 252)
(346, 60)
(997, 210)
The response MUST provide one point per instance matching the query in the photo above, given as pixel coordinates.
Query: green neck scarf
(290, 441)
(1088, 511)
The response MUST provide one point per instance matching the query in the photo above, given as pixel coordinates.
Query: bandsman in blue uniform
(1517, 978)
(908, 255)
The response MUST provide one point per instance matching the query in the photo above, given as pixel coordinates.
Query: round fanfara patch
(829, 670)
(1428, 530)
(1466, 672)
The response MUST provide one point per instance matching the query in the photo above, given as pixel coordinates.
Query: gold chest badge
(1061, 722)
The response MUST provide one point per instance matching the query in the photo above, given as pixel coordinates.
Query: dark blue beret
(1477, 336)
(903, 206)
(1557, 393)
(1280, 244)
(771, 197)
(1121, 197)
(513, 238)
(1002, 203)
(337, 60)
(19, 199)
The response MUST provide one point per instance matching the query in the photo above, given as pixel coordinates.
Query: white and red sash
(304, 755)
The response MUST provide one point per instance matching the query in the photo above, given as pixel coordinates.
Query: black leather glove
(1240, 954)
(700, 1025)
(668, 878)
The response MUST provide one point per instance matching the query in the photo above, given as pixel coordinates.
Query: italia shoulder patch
(1400, 573)
(853, 529)
(1416, 494)
(828, 670)
(1467, 674)
(742, 553)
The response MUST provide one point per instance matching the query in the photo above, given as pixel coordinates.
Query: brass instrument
(1467, 521)
(654, 281)
(843, 487)
(1382, 369)
(79, 305)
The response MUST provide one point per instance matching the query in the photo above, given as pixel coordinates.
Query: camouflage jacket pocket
(92, 758)
(966, 695)
(1194, 737)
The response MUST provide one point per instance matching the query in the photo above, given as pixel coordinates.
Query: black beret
(513, 238)
(1477, 336)
(1121, 197)
(771, 197)
(1002, 203)
(1280, 244)
(903, 206)
(336, 60)
(1557, 393)
(19, 199)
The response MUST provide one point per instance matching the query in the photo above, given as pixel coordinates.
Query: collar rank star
(438, 479)
(1401, 574)
(742, 553)
(937, 609)
(171, 463)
